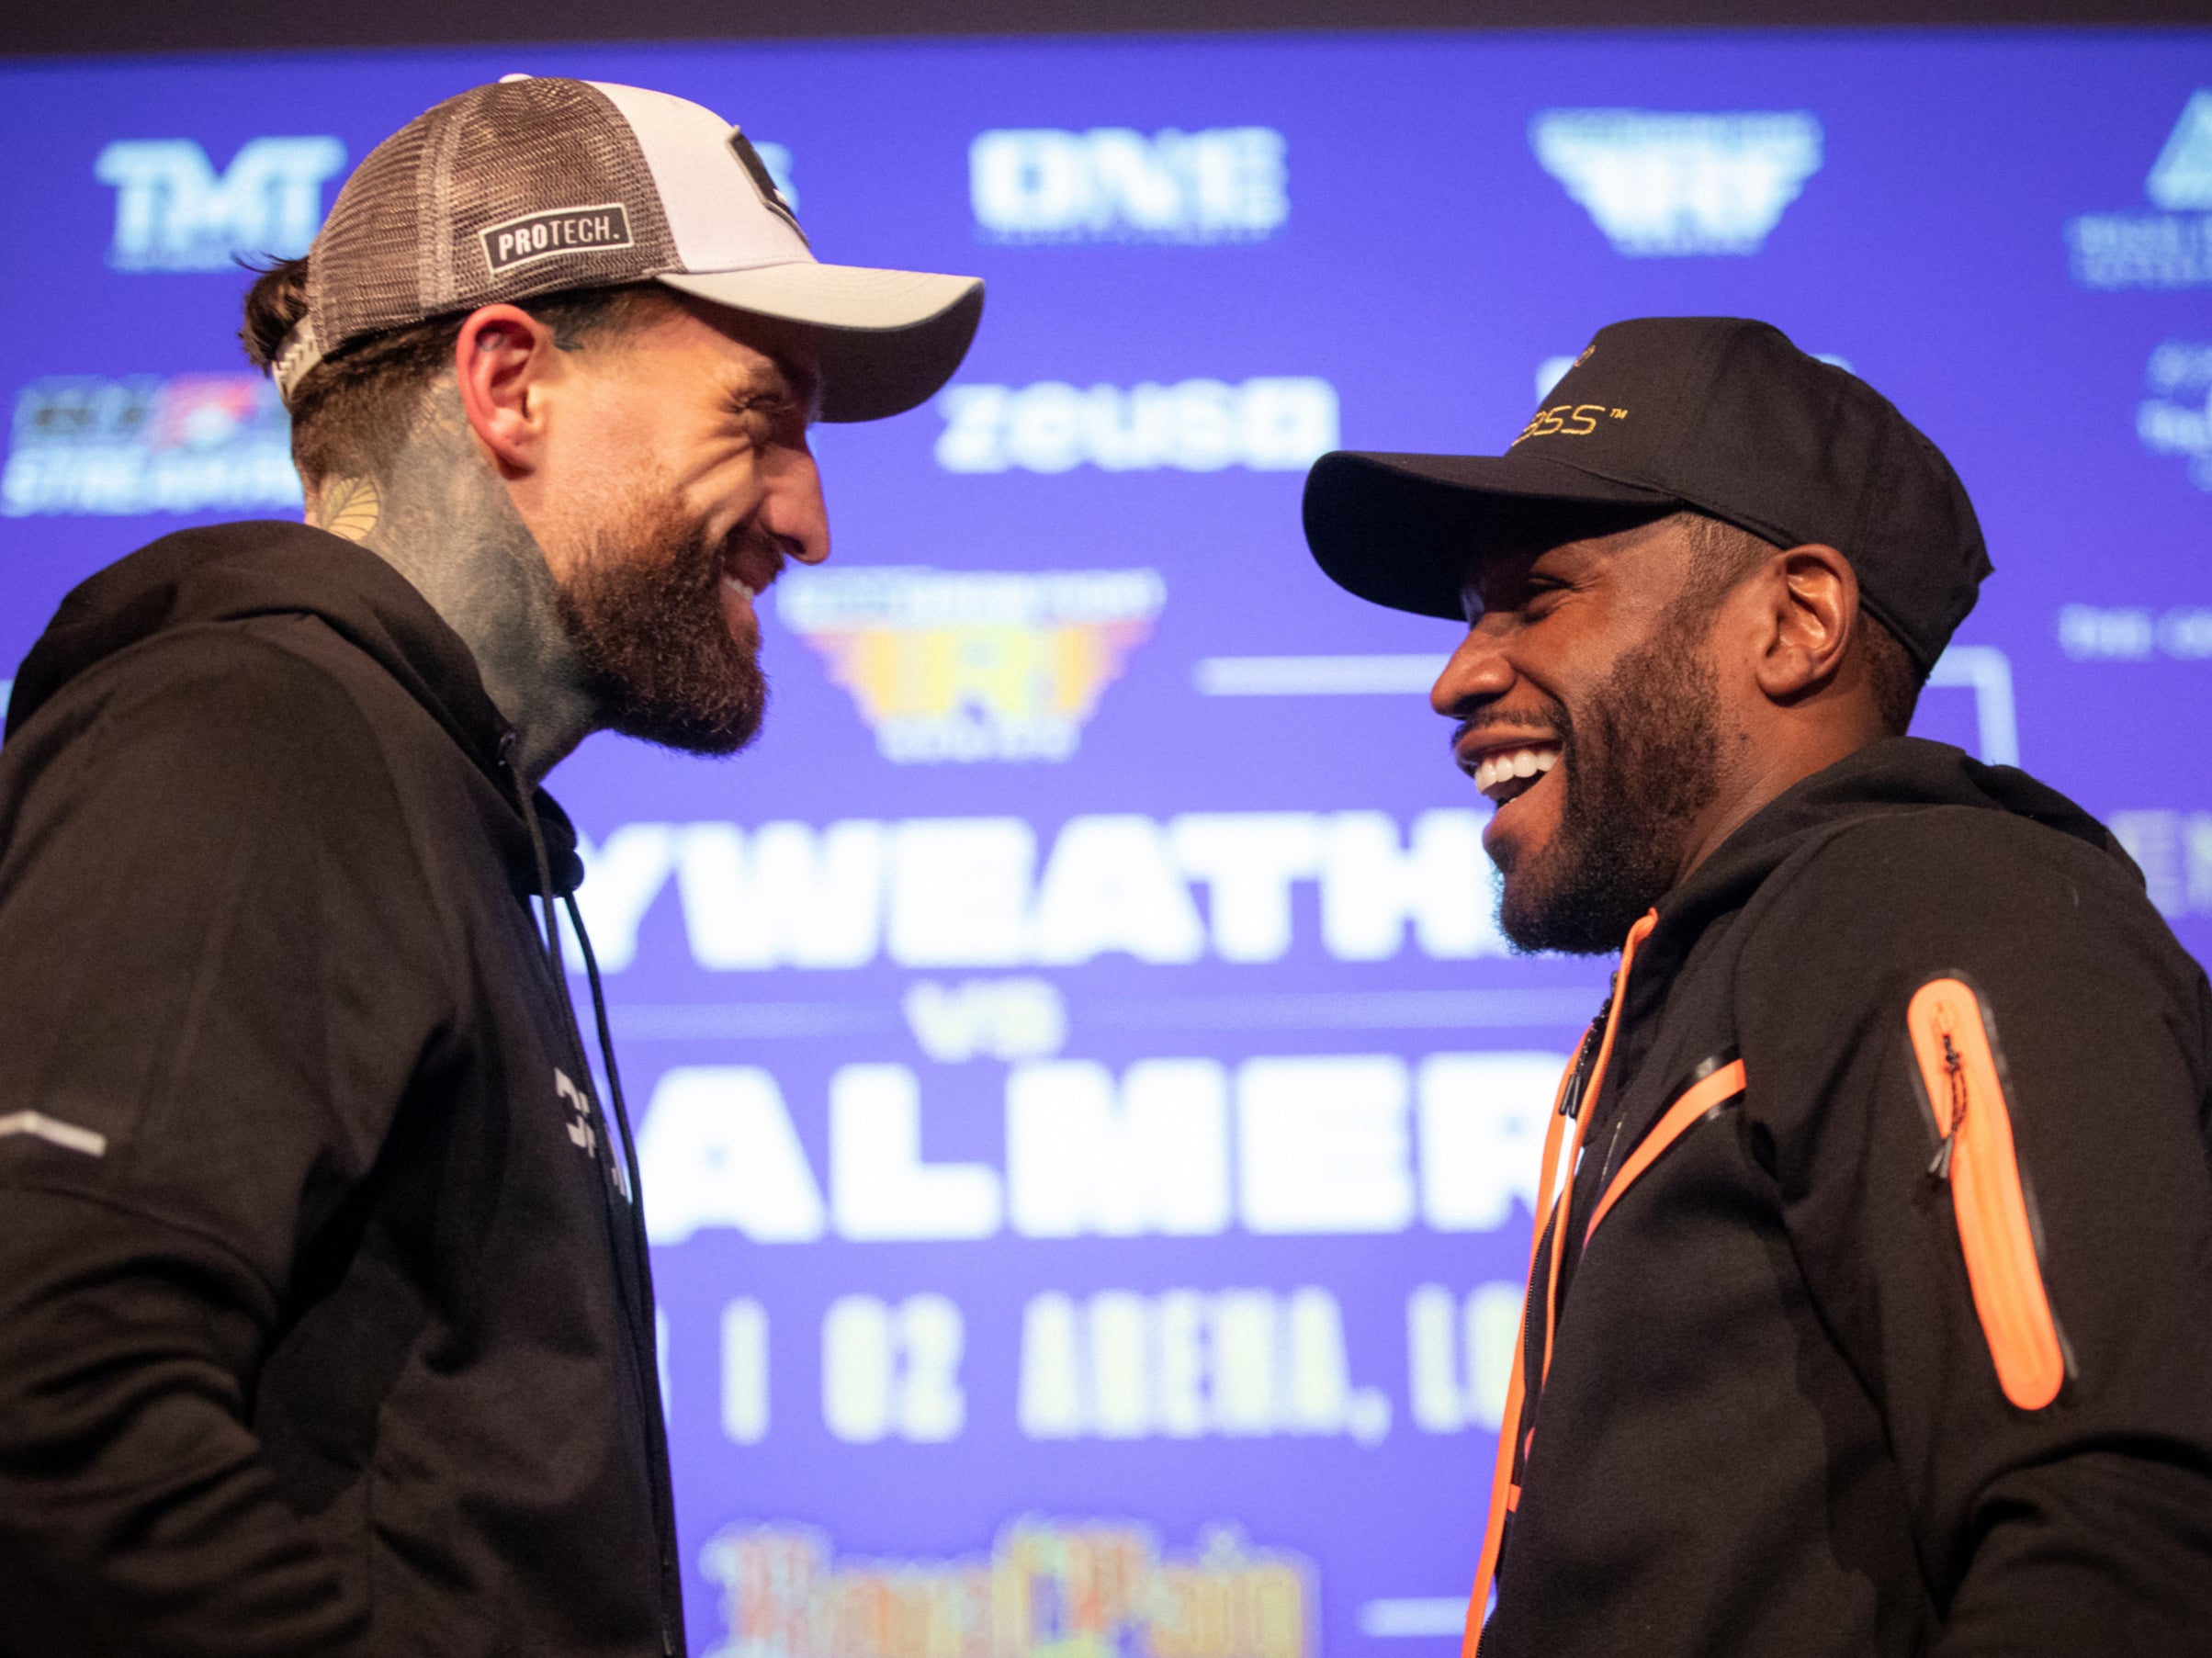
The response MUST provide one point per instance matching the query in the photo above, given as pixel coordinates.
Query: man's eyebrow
(779, 382)
(802, 385)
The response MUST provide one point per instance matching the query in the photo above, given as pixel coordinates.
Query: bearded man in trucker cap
(1874, 1314)
(325, 1318)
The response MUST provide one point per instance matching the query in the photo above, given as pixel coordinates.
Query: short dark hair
(349, 408)
(1722, 553)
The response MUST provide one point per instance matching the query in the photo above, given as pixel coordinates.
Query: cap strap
(300, 352)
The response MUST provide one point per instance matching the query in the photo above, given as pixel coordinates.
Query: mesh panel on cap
(403, 240)
(361, 271)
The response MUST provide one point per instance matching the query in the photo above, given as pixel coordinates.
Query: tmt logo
(973, 665)
(173, 213)
(1661, 184)
(1228, 184)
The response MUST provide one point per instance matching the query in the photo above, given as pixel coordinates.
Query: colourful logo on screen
(2164, 250)
(175, 212)
(1661, 184)
(195, 442)
(973, 665)
(1081, 1589)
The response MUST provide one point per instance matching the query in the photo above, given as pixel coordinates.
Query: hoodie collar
(233, 572)
(1897, 775)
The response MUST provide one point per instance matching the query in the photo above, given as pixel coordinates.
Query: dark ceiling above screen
(139, 26)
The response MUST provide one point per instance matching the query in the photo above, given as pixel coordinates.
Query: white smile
(738, 588)
(1505, 772)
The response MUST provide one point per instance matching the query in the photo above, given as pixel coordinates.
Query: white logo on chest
(581, 1129)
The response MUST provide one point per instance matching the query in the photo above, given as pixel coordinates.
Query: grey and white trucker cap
(535, 185)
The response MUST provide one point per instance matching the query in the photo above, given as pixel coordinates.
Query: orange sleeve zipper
(1959, 1078)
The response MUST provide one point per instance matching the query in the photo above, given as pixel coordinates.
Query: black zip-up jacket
(1774, 1421)
(325, 1324)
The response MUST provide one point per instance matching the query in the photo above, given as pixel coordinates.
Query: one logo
(1039, 185)
(765, 180)
(173, 213)
(972, 665)
(1664, 184)
(2176, 415)
(2169, 249)
(1274, 423)
(193, 444)
(561, 230)
(1048, 1589)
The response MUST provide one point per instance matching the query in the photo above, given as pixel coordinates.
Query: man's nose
(791, 506)
(1476, 673)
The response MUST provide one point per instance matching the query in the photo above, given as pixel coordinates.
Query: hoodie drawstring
(606, 1051)
(1578, 1100)
(640, 1291)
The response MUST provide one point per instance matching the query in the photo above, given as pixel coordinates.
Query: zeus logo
(1271, 423)
(1228, 184)
(1661, 184)
(173, 213)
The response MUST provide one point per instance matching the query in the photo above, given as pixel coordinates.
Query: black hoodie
(325, 1324)
(1774, 1420)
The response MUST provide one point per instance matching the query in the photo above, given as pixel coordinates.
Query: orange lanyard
(1504, 1494)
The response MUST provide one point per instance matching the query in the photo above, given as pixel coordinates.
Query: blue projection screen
(1089, 1116)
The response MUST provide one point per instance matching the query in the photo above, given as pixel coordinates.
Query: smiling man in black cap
(1873, 1311)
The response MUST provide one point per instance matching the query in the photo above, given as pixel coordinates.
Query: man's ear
(502, 361)
(1810, 612)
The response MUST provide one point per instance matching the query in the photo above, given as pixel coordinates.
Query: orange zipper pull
(1954, 1066)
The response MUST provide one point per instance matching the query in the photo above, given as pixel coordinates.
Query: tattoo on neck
(349, 508)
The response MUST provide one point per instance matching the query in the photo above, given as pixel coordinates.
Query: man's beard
(644, 616)
(1640, 767)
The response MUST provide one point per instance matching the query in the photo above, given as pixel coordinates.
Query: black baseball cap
(1720, 414)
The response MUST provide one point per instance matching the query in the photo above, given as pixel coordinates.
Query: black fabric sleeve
(2085, 1526)
(213, 957)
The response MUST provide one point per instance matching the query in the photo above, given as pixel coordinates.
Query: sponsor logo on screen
(1112, 184)
(175, 212)
(1048, 1589)
(195, 442)
(973, 665)
(1662, 184)
(2171, 248)
(1272, 424)
(2098, 633)
(2174, 853)
(2176, 415)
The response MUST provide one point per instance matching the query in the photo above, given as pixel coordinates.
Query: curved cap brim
(889, 338)
(1402, 529)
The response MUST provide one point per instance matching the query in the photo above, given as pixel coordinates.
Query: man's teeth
(737, 587)
(1495, 770)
